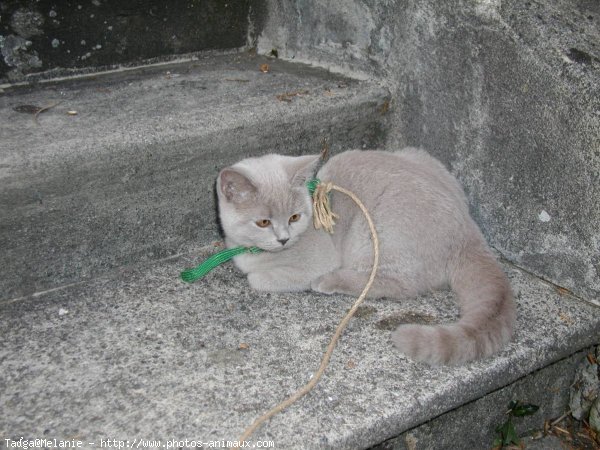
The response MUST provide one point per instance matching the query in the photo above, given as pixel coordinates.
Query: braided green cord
(191, 275)
(312, 185)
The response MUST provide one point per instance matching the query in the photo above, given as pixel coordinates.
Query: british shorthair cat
(427, 241)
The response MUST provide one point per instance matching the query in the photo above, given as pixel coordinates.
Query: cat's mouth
(276, 248)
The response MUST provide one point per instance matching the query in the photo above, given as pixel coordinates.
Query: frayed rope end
(323, 216)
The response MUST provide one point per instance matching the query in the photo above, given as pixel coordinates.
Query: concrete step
(130, 176)
(137, 354)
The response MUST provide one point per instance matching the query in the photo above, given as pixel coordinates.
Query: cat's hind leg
(352, 282)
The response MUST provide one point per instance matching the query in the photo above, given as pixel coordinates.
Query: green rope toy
(191, 275)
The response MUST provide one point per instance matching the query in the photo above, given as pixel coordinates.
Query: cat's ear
(235, 186)
(303, 168)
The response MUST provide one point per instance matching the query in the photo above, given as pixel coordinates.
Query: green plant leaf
(524, 410)
(508, 433)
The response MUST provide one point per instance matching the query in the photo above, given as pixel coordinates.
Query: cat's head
(264, 201)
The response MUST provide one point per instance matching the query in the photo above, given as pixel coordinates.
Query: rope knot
(323, 216)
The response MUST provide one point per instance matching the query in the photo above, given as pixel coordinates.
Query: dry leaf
(385, 107)
(244, 346)
(288, 96)
(324, 149)
(27, 109)
(351, 364)
(35, 110)
(562, 290)
(565, 318)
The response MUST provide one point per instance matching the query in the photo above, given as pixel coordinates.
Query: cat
(428, 240)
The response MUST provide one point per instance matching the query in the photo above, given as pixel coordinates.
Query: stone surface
(100, 340)
(138, 354)
(506, 93)
(546, 443)
(130, 176)
(547, 388)
(595, 416)
(585, 389)
(44, 35)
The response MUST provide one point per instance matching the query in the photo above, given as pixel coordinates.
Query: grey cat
(428, 241)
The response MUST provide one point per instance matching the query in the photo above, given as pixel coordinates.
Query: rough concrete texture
(130, 176)
(547, 388)
(506, 93)
(139, 354)
(45, 35)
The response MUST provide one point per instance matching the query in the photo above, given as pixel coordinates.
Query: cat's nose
(282, 241)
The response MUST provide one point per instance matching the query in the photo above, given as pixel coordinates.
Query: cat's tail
(487, 313)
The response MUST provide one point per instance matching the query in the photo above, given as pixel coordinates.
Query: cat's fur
(428, 241)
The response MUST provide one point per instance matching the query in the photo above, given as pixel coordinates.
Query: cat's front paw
(260, 281)
(327, 284)
(275, 281)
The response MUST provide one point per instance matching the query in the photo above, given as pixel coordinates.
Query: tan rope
(321, 192)
(323, 216)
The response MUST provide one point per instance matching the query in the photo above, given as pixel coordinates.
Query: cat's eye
(263, 223)
(294, 218)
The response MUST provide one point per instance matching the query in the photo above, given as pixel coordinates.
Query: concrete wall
(37, 36)
(506, 93)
